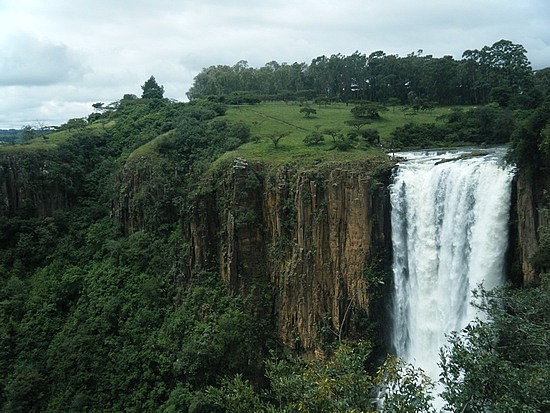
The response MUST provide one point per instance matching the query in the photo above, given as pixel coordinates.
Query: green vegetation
(502, 364)
(152, 90)
(389, 130)
(91, 320)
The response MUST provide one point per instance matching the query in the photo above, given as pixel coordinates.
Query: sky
(58, 57)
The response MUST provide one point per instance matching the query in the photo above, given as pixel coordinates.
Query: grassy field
(274, 118)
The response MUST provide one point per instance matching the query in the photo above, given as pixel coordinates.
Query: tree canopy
(379, 77)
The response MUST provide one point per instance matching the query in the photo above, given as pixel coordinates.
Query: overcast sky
(58, 57)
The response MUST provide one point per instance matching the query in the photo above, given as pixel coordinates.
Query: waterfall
(450, 234)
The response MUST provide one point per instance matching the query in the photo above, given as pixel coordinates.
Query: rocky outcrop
(302, 243)
(32, 184)
(531, 188)
(141, 199)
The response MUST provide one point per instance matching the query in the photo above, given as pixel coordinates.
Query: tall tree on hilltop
(152, 90)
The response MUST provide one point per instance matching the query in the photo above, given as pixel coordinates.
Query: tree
(338, 384)
(369, 110)
(501, 364)
(308, 112)
(314, 138)
(152, 90)
(541, 80)
(99, 107)
(335, 134)
(370, 136)
(357, 123)
(27, 133)
(509, 64)
(502, 64)
(404, 388)
(75, 123)
(276, 138)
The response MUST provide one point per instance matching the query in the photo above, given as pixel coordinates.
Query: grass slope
(274, 118)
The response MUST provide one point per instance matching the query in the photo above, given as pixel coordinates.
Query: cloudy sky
(58, 57)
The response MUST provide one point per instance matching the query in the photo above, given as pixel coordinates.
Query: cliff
(306, 245)
(532, 188)
(143, 194)
(32, 183)
(303, 244)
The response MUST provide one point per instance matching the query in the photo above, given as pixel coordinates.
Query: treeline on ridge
(499, 73)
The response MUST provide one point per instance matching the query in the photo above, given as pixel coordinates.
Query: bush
(314, 138)
(368, 110)
(371, 136)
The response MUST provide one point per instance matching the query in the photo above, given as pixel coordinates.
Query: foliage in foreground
(339, 383)
(499, 364)
(502, 364)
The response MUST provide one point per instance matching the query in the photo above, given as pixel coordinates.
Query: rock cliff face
(142, 196)
(309, 246)
(531, 190)
(30, 184)
(304, 242)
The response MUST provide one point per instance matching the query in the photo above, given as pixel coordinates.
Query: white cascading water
(449, 234)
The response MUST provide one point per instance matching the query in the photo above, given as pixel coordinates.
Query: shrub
(314, 138)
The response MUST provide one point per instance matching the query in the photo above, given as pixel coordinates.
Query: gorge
(295, 230)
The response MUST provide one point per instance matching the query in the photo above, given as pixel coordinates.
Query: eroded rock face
(340, 230)
(300, 242)
(142, 195)
(531, 189)
(31, 184)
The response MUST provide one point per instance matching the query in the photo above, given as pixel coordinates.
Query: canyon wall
(312, 243)
(532, 191)
(32, 183)
(308, 246)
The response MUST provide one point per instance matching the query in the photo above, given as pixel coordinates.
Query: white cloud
(27, 61)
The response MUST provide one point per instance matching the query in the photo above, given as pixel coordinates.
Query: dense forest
(95, 317)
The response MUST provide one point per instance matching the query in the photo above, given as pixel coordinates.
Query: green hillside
(276, 117)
